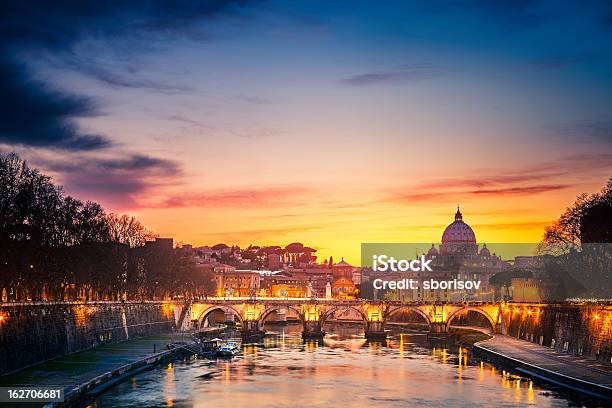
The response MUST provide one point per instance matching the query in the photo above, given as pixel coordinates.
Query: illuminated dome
(458, 232)
(458, 238)
(485, 251)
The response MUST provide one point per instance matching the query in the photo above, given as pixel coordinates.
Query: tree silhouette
(55, 247)
(581, 242)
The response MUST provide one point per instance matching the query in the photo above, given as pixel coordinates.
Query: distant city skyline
(329, 124)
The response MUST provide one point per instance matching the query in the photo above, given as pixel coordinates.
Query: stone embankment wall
(580, 329)
(34, 332)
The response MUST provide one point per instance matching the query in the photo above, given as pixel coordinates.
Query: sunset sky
(328, 123)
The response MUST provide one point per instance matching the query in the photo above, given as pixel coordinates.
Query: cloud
(480, 182)
(33, 114)
(599, 131)
(539, 225)
(120, 182)
(456, 195)
(412, 72)
(189, 121)
(254, 100)
(516, 14)
(529, 190)
(539, 179)
(257, 133)
(555, 62)
(262, 234)
(275, 196)
(542, 178)
(114, 79)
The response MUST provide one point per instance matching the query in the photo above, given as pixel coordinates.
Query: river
(343, 370)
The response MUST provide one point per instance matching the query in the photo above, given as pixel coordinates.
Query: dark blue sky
(151, 106)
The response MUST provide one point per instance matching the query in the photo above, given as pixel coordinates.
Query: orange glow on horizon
(338, 226)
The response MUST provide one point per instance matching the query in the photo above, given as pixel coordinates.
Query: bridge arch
(334, 309)
(466, 309)
(269, 310)
(213, 308)
(418, 311)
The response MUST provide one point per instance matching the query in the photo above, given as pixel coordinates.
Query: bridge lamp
(2, 318)
(596, 316)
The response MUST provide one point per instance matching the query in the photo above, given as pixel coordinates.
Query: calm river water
(341, 371)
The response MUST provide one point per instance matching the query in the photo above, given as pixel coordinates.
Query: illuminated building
(237, 282)
(343, 286)
(525, 290)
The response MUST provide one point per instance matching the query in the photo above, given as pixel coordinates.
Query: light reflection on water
(285, 371)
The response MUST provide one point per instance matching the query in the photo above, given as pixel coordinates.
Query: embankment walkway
(570, 371)
(77, 373)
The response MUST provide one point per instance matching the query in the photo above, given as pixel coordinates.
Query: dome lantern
(458, 215)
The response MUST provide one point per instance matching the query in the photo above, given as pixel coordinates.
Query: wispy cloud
(262, 234)
(405, 73)
(254, 99)
(189, 121)
(489, 180)
(129, 80)
(538, 225)
(261, 197)
(463, 194)
(257, 132)
(588, 131)
(539, 179)
(510, 191)
(555, 62)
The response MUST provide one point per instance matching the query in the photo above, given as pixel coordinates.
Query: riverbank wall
(578, 329)
(31, 333)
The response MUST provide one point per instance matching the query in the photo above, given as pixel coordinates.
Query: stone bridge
(313, 313)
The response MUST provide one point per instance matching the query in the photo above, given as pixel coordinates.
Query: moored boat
(229, 349)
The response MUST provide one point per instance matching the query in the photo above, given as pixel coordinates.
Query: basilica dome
(458, 232)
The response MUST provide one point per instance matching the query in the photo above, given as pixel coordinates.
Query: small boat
(229, 349)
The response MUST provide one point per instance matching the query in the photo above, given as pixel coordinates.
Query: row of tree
(55, 247)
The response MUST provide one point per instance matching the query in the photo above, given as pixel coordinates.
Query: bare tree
(128, 230)
(588, 217)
